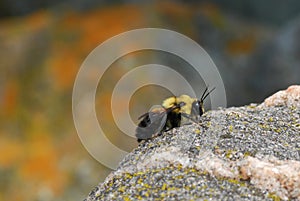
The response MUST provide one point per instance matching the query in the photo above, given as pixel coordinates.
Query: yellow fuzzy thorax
(170, 102)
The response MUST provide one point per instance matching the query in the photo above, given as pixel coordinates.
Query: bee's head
(197, 109)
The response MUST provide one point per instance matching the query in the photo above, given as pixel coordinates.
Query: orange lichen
(244, 45)
(38, 20)
(174, 9)
(64, 68)
(10, 97)
(41, 164)
(11, 152)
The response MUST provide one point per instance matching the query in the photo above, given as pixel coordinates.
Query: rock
(289, 97)
(239, 153)
(280, 176)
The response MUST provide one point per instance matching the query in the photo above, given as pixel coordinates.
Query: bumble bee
(174, 112)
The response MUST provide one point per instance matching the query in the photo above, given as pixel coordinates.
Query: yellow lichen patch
(237, 182)
(164, 186)
(230, 128)
(274, 197)
(277, 130)
(126, 198)
(246, 154)
(122, 189)
(229, 153)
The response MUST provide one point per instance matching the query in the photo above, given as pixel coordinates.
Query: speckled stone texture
(238, 153)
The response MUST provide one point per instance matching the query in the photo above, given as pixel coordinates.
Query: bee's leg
(189, 117)
(168, 129)
(192, 143)
(143, 140)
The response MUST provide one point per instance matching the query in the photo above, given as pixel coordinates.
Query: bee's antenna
(204, 96)
(204, 93)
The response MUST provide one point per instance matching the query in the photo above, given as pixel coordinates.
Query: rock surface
(238, 153)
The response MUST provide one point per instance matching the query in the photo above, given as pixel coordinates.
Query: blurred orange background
(41, 155)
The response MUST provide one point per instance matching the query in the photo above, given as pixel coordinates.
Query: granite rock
(238, 153)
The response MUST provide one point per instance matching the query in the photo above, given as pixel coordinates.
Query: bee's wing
(152, 123)
(143, 115)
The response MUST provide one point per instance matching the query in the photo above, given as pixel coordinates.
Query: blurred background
(255, 45)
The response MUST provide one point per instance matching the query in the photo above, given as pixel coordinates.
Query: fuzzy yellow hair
(172, 101)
